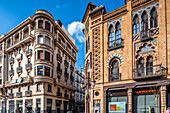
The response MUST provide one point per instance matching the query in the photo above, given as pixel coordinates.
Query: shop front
(116, 101)
(49, 105)
(19, 106)
(58, 105)
(38, 105)
(11, 106)
(146, 100)
(28, 105)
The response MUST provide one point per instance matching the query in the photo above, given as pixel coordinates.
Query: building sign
(117, 107)
(145, 91)
(16, 81)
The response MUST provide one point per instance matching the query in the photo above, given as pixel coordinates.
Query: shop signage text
(145, 91)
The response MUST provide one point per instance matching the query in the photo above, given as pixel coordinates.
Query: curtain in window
(40, 55)
(47, 56)
(47, 41)
(40, 39)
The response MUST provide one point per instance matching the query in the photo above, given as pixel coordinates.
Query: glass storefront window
(49, 105)
(3, 106)
(19, 106)
(58, 102)
(28, 105)
(11, 106)
(168, 96)
(38, 104)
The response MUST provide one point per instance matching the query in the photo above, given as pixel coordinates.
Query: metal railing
(19, 69)
(71, 77)
(59, 70)
(28, 93)
(66, 74)
(115, 43)
(59, 94)
(11, 60)
(62, 44)
(145, 35)
(29, 65)
(149, 71)
(59, 57)
(11, 95)
(115, 77)
(72, 67)
(65, 62)
(66, 95)
(29, 51)
(11, 72)
(19, 94)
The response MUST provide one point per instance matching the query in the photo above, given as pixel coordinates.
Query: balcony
(66, 75)
(28, 66)
(59, 94)
(68, 50)
(72, 78)
(73, 55)
(72, 67)
(16, 41)
(145, 35)
(115, 77)
(115, 44)
(66, 63)
(28, 93)
(62, 44)
(59, 58)
(25, 35)
(11, 60)
(19, 69)
(29, 52)
(65, 95)
(71, 97)
(19, 56)
(59, 70)
(77, 81)
(19, 94)
(11, 72)
(11, 95)
(155, 71)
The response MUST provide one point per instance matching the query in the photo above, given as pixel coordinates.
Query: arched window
(118, 34)
(111, 36)
(149, 65)
(154, 18)
(114, 71)
(144, 25)
(136, 25)
(140, 67)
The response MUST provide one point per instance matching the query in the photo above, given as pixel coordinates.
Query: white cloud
(62, 6)
(75, 28)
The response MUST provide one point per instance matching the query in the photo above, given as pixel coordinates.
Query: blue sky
(70, 12)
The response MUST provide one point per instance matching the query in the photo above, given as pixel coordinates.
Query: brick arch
(115, 56)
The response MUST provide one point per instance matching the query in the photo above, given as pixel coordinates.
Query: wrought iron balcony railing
(59, 94)
(28, 66)
(11, 95)
(115, 77)
(19, 69)
(28, 93)
(66, 95)
(115, 44)
(71, 77)
(11, 72)
(59, 70)
(65, 63)
(145, 35)
(11, 60)
(72, 67)
(29, 52)
(149, 72)
(19, 94)
(66, 74)
(59, 57)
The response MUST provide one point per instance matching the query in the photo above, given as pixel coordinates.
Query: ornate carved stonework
(96, 54)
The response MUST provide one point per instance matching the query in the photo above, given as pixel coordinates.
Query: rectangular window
(0, 69)
(38, 87)
(47, 40)
(49, 88)
(47, 26)
(40, 24)
(40, 55)
(47, 56)
(40, 70)
(40, 39)
(47, 71)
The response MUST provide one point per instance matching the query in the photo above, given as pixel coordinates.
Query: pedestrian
(152, 110)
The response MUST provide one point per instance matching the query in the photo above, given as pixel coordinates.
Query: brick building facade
(127, 53)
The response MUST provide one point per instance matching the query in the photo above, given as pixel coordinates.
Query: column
(22, 34)
(19, 35)
(29, 29)
(129, 103)
(163, 98)
(23, 106)
(34, 107)
(53, 105)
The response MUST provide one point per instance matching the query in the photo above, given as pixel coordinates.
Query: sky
(70, 12)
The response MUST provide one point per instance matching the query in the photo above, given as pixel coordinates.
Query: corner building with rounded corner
(127, 53)
(37, 66)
